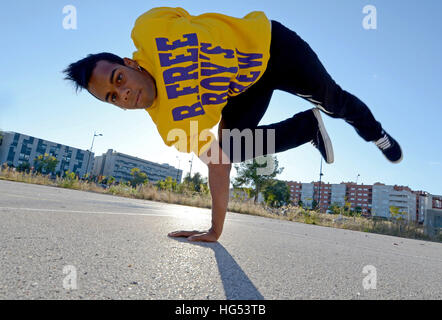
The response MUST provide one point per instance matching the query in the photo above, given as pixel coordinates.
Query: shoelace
(383, 143)
(315, 142)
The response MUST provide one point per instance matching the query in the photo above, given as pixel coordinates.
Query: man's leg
(298, 70)
(244, 112)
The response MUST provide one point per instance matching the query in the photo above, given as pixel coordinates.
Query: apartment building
(307, 194)
(359, 196)
(436, 202)
(119, 165)
(17, 148)
(374, 199)
(385, 197)
(423, 202)
(338, 194)
(324, 194)
(295, 191)
(433, 215)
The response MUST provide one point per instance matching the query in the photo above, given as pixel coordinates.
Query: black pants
(294, 67)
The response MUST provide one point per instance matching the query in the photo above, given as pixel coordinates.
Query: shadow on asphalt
(237, 285)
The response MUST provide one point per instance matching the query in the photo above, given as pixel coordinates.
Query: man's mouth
(138, 98)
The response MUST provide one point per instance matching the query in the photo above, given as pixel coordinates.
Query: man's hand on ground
(205, 236)
(219, 180)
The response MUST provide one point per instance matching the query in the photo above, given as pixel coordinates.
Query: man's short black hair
(80, 72)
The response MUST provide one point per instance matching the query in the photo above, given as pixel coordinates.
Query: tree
(334, 208)
(249, 173)
(110, 180)
(277, 193)
(397, 214)
(138, 177)
(357, 212)
(45, 164)
(24, 167)
(168, 184)
(196, 183)
(347, 209)
(314, 204)
(242, 194)
(69, 175)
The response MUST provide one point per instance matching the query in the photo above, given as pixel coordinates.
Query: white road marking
(96, 212)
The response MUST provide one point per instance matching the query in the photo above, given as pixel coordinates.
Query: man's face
(125, 86)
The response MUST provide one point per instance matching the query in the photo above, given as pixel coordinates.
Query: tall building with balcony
(119, 166)
(385, 197)
(17, 148)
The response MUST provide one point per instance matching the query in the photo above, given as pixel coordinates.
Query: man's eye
(119, 78)
(114, 97)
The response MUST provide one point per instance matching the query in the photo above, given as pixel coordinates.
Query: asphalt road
(65, 244)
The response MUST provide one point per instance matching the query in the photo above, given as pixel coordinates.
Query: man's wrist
(216, 231)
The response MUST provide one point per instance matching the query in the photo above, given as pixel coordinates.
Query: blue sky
(396, 70)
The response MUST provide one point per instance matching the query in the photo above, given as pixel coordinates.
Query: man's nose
(125, 94)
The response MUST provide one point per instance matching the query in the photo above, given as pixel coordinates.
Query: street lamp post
(320, 178)
(191, 162)
(90, 151)
(178, 171)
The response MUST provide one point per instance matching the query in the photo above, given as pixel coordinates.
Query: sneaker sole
(397, 161)
(328, 145)
(400, 159)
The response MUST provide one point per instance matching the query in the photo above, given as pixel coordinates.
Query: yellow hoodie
(198, 62)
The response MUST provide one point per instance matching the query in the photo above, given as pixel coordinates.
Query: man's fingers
(194, 235)
(179, 234)
(183, 233)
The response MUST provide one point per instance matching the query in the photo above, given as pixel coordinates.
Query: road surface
(66, 244)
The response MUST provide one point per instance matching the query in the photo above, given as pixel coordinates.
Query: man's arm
(219, 182)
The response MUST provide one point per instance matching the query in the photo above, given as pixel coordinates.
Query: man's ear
(130, 63)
